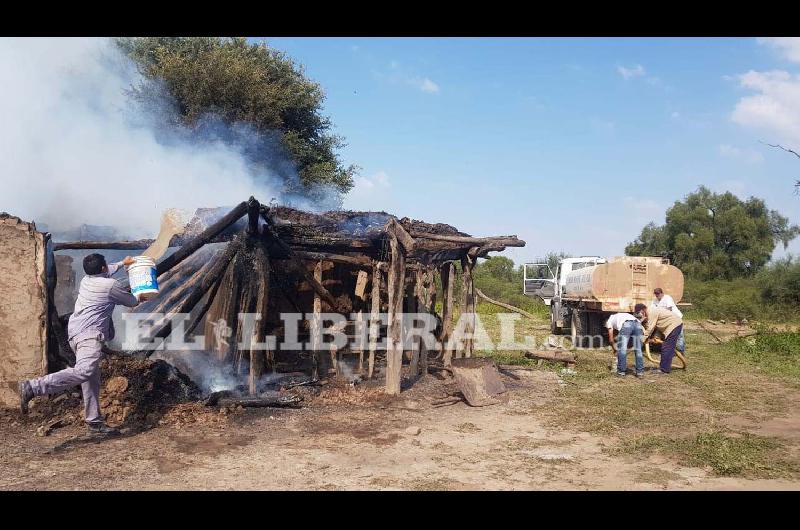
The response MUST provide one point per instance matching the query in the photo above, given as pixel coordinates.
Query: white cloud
(397, 74)
(675, 115)
(426, 85)
(378, 180)
(774, 108)
(629, 73)
(748, 155)
(789, 47)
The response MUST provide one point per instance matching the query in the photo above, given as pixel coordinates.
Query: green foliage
(251, 84)
(780, 283)
(710, 235)
(726, 299)
(776, 352)
(738, 455)
(771, 295)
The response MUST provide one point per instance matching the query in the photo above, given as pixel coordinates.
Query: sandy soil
(352, 446)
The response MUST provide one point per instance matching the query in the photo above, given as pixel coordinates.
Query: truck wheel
(554, 329)
(578, 325)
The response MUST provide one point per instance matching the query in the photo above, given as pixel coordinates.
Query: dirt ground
(357, 439)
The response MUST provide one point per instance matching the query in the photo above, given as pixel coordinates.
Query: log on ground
(479, 381)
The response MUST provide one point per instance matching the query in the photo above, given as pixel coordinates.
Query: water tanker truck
(583, 292)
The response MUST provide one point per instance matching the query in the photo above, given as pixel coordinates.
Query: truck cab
(541, 281)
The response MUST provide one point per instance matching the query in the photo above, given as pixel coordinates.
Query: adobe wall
(23, 305)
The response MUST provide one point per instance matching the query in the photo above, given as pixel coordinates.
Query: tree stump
(479, 381)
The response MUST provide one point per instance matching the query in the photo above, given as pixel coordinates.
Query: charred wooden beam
(358, 261)
(401, 234)
(507, 241)
(253, 208)
(139, 244)
(198, 317)
(204, 237)
(224, 311)
(294, 262)
(203, 283)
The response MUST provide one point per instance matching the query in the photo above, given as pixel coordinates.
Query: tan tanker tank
(622, 282)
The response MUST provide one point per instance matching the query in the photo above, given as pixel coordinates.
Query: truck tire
(578, 325)
(594, 329)
(554, 328)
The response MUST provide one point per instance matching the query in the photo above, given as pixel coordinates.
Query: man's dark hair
(639, 307)
(658, 290)
(94, 263)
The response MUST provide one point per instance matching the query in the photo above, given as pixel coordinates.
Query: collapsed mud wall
(23, 305)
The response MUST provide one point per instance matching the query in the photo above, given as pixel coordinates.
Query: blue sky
(572, 144)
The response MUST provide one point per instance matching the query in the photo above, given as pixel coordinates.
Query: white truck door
(539, 281)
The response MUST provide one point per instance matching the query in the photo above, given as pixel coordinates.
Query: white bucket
(142, 276)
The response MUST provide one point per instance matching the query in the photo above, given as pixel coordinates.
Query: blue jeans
(681, 344)
(668, 349)
(631, 329)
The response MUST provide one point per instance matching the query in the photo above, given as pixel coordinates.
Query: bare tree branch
(779, 146)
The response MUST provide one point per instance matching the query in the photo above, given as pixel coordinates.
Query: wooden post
(396, 281)
(428, 293)
(223, 314)
(258, 358)
(253, 208)
(316, 322)
(448, 277)
(359, 329)
(413, 295)
(468, 297)
(374, 318)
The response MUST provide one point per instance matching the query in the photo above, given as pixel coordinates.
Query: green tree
(253, 84)
(780, 283)
(711, 235)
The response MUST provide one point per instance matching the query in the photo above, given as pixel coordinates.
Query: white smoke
(74, 149)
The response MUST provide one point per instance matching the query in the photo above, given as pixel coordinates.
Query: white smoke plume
(75, 148)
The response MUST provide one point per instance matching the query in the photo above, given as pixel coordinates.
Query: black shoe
(101, 428)
(25, 395)
(657, 371)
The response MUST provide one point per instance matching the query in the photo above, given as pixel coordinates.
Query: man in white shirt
(629, 328)
(666, 301)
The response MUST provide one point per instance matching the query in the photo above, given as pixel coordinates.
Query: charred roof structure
(275, 259)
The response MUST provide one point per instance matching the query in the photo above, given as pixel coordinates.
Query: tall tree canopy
(252, 85)
(711, 235)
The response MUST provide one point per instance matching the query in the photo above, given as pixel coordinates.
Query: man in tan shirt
(666, 322)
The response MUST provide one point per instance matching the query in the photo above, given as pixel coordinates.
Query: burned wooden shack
(275, 259)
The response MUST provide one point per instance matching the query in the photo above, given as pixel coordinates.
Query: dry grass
(681, 415)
